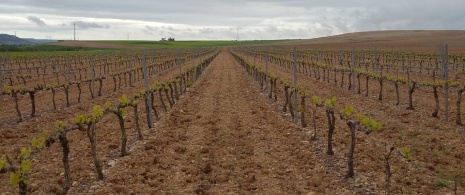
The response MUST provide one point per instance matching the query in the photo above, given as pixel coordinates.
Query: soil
(47, 164)
(225, 137)
(434, 141)
(222, 138)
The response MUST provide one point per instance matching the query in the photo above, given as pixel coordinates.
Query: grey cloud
(206, 31)
(169, 28)
(87, 25)
(258, 19)
(36, 20)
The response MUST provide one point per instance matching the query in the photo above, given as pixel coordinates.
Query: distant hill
(12, 40)
(39, 41)
(418, 40)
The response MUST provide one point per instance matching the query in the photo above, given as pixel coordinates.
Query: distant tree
(163, 39)
(170, 39)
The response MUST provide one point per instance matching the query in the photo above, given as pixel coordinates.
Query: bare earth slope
(418, 40)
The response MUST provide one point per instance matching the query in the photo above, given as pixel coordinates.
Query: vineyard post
(92, 76)
(255, 56)
(1, 78)
(295, 85)
(148, 99)
(131, 72)
(440, 59)
(446, 70)
(266, 72)
(352, 76)
(180, 64)
(68, 64)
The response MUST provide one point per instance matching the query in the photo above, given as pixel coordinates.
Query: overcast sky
(222, 19)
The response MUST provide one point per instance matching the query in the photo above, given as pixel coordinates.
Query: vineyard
(236, 120)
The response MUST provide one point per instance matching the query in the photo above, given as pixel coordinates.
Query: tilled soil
(434, 142)
(222, 138)
(15, 135)
(46, 176)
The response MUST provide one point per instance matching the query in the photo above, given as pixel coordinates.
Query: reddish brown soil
(92, 44)
(420, 40)
(225, 137)
(45, 176)
(434, 142)
(222, 138)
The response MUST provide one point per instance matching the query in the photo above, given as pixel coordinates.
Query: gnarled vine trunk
(15, 97)
(458, 118)
(53, 99)
(436, 102)
(396, 85)
(136, 118)
(410, 95)
(350, 159)
(67, 170)
(161, 100)
(331, 127)
(33, 102)
(302, 111)
(286, 95)
(124, 137)
(91, 134)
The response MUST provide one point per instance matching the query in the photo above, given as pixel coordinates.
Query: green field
(47, 50)
(190, 44)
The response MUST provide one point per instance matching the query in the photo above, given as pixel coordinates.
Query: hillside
(419, 40)
(6, 39)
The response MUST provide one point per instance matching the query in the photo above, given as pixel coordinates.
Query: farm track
(47, 164)
(221, 138)
(426, 136)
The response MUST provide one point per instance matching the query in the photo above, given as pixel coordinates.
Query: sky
(222, 19)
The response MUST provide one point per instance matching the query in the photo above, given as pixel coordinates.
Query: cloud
(148, 27)
(87, 25)
(219, 19)
(36, 20)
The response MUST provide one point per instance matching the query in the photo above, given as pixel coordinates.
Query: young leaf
(97, 112)
(59, 124)
(3, 163)
(25, 152)
(26, 166)
(347, 112)
(316, 100)
(15, 178)
(330, 103)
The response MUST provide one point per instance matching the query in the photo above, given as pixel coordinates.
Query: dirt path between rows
(221, 138)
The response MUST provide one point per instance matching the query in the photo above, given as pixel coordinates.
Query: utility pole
(75, 31)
